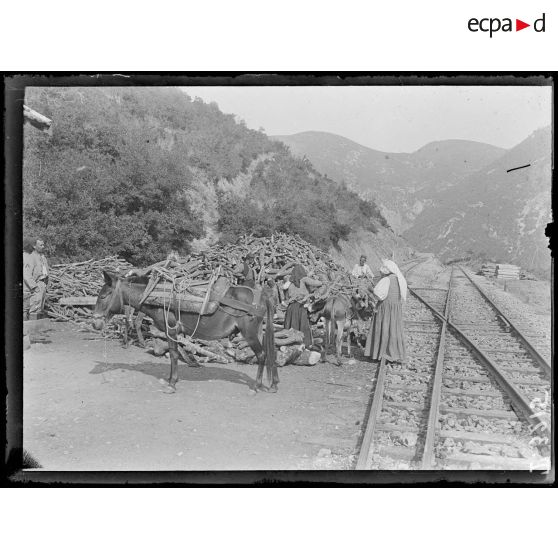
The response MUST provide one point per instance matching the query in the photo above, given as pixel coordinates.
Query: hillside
(136, 172)
(493, 214)
(402, 184)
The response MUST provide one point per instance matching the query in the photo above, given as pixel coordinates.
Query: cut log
(36, 119)
(308, 358)
(196, 349)
(288, 355)
(78, 301)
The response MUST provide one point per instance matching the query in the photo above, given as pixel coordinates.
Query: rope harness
(175, 301)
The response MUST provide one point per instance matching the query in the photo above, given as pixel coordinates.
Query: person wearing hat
(361, 270)
(386, 337)
(37, 269)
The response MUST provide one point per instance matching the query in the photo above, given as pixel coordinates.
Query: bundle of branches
(273, 257)
(274, 254)
(73, 287)
(205, 351)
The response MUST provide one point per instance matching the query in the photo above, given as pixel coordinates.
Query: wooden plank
(523, 370)
(404, 387)
(489, 413)
(396, 452)
(487, 379)
(479, 437)
(473, 392)
(507, 351)
(395, 372)
(499, 462)
(459, 378)
(36, 119)
(476, 327)
(397, 428)
(410, 406)
(78, 301)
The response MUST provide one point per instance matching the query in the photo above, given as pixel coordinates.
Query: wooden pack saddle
(202, 300)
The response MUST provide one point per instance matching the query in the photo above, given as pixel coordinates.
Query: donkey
(236, 311)
(340, 313)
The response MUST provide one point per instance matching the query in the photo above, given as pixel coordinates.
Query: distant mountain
(495, 214)
(402, 184)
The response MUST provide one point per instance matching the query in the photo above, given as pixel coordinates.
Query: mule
(242, 315)
(340, 313)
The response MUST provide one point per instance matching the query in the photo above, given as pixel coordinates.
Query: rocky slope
(402, 184)
(495, 214)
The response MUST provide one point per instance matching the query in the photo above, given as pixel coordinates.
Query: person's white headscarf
(392, 267)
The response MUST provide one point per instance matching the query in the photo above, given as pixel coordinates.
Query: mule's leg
(174, 354)
(250, 335)
(326, 340)
(125, 339)
(256, 346)
(349, 346)
(275, 379)
(137, 323)
(339, 340)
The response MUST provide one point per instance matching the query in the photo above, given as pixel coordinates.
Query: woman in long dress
(298, 286)
(386, 337)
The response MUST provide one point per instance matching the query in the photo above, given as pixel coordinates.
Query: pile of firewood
(288, 343)
(73, 288)
(273, 257)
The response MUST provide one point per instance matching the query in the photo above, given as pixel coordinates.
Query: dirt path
(93, 405)
(85, 412)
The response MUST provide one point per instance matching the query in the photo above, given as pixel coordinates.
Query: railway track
(474, 394)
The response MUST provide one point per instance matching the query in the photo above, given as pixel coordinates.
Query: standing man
(38, 271)
(361, 270)
(29, 284)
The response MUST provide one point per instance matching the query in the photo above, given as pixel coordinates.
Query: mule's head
(363, 303)
(109, 300)
(315, 308)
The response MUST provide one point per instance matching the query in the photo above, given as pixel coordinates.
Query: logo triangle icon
(519, 25)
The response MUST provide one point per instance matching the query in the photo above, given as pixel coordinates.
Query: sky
(393, 119)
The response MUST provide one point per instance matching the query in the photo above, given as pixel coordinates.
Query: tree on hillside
(124, 167)
(113, 176)
(287, 195)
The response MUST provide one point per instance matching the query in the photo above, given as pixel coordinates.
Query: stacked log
(506, 271)
(73, 287)
(489, 269)
(274, 257)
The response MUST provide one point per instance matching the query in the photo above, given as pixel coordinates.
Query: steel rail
(433, 413)
(364, 456)
(518, 400)
(414, 263)
(544, 364)
(363, 462)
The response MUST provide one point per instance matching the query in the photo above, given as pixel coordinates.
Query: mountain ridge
(453, 197)
(495, 214)
(392, 179)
